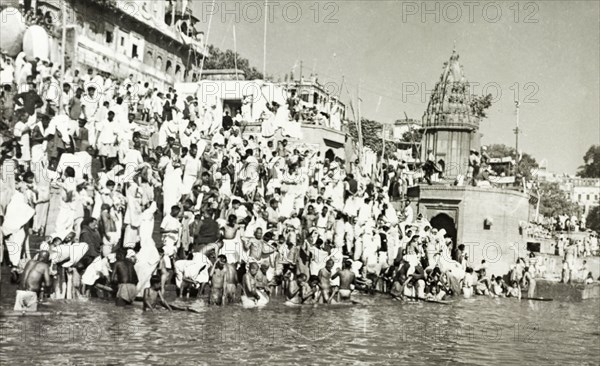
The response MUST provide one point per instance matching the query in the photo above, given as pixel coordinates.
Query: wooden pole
(382, 151)
(265, 42)
(235, 53)
(359, 126)
(517, 139)
(63, 55)
(300, 82)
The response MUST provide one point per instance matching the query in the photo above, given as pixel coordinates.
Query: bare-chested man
(262, 283)
(347, 279)
(36, 273)
(232, 248)
(299, 291)
(254, 245)
(125, 277)
(252, 296)
(325, 280)
(231, 281)
(249, 282)
(153, 296)
(218, 280)
(231, 228)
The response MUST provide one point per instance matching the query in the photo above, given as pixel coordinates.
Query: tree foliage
(591, 160)
(372, 138)
(479, 105)
(554, 201)
(219, 60)
(412, 135)
(593, 219)
(526, 165)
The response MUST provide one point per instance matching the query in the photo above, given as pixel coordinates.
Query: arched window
(169, 66)
(93, 28)
(159, 63)
(149, 58)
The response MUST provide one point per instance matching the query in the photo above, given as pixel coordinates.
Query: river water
(382, 331)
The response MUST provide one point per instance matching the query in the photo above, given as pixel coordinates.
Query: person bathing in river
(218, 280)
(347, 279)
(498, 286)
(231, 281)
(529, 282)
(514, 290)
(262, 282)
(35, 274)
(299, 291)
(153, 296)
(467, 283)
(482, 287)
(125, 277)
(252, 296)
(325, 282)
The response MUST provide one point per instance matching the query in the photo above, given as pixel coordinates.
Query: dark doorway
(329, 154)
(443, 221)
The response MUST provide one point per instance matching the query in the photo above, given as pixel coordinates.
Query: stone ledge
(424, 187)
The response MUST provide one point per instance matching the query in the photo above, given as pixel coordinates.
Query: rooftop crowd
(153, 189)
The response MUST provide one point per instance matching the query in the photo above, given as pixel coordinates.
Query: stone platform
(567, 292)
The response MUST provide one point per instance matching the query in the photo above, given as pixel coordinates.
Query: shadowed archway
(443, 221)
(329, 154)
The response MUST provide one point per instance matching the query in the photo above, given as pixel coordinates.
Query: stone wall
(553, 265)
(500, 243)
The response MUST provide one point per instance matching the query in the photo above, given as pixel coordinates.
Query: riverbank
(490, 331)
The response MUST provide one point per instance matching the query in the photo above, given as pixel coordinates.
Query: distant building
(544, 175)
(252, 98)
(408, 151)
(396, 130)
(151, 39)
(313, 94)
(583, 191)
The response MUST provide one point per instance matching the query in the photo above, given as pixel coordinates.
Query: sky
(546, 54)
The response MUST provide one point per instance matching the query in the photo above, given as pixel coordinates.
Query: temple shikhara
(450, 128)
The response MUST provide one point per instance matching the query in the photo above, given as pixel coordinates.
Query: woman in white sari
(148, 257)
(21, 71)
(172, 187)
(269, 125)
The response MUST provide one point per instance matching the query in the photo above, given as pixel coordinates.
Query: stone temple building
(487, 220)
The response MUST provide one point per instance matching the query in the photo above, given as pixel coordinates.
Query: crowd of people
(243, 217)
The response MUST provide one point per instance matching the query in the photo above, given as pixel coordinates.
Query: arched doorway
(443, 221)
(329, 154)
